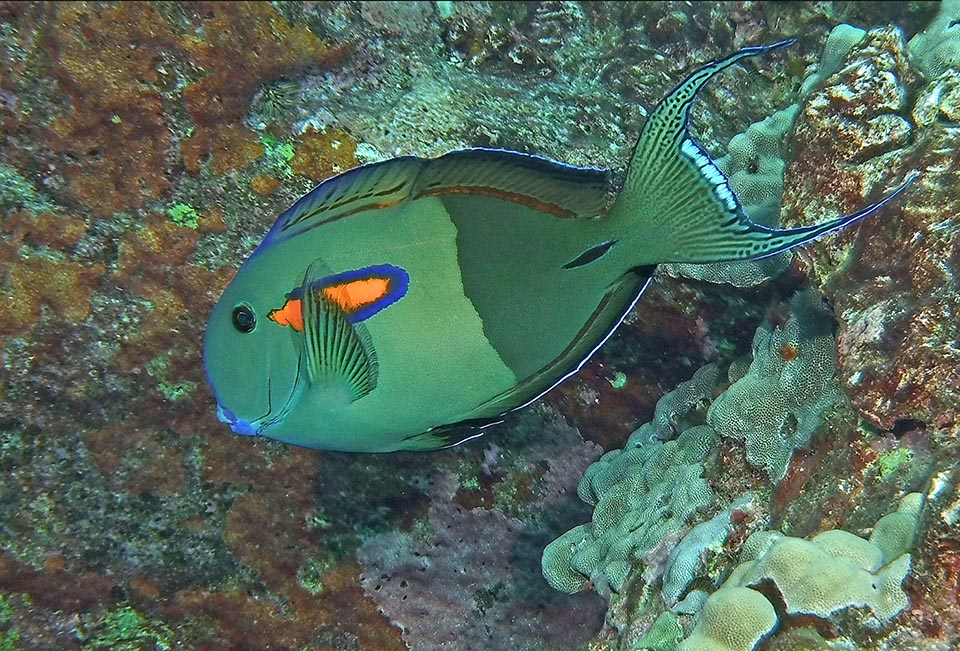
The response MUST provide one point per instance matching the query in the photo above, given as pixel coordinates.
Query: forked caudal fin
(677, 206)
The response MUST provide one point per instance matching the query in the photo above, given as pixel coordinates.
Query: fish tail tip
(784, 43)
(762, 49)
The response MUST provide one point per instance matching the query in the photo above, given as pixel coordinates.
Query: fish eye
(244, 318)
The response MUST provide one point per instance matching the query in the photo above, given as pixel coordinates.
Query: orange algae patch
(64, 287)
(154, 264)
(322, 154)
(53, 231)
(230, 147)
(114, 138)
(29, 283)
(262, 184)
(244, 45)
(117, 66)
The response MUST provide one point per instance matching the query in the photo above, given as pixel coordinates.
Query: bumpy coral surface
(834, 571)
(779, 403)
(642, 495)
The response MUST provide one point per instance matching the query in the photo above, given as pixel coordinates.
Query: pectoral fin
(337, 352)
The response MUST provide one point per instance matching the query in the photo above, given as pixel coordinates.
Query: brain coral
(733, 619)
(778, 404)
(937, 48)
(643, 494)
(834, 571)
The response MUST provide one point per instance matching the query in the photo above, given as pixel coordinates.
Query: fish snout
(238, 425)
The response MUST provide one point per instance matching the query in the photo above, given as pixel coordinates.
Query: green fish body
(409, 304)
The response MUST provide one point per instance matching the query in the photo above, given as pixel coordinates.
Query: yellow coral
(733, 619)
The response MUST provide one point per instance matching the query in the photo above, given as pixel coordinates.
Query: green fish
(409, 304)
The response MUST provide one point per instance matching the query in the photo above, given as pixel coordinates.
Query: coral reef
(651, 490)
(937, 48)
(834, 571)
(653, 561)
(642, 495)
(146, 149)
(892, 293)
(779, 403)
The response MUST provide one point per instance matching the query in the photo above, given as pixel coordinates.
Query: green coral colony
(653, 494)
(411, 303)
(654, 489)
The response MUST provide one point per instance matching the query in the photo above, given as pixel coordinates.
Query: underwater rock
(466, 578)
(893, 280)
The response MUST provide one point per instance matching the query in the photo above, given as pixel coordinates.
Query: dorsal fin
(548, 186)
(551, 187)
(368, 187)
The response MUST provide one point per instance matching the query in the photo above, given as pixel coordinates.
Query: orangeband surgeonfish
(410, 303)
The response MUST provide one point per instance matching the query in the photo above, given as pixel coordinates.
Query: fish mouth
(238, 425)
(259, 425)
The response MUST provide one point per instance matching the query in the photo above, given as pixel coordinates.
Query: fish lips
(238, 425)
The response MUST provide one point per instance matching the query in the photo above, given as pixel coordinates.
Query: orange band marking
(291, 314)
(355, 294)
(349, 297)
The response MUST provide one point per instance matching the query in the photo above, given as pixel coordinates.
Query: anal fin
(447, 436)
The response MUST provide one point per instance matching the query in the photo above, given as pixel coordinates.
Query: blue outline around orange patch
(355, 304)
